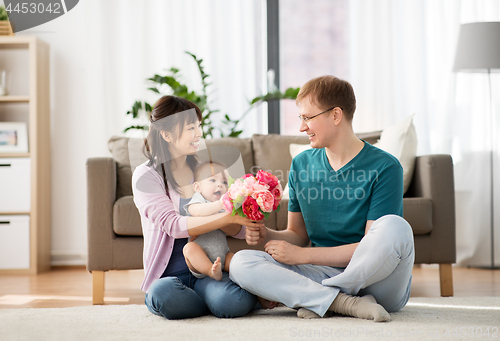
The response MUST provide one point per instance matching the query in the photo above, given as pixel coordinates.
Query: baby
(209, 253)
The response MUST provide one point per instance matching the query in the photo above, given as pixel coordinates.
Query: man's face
(320, 128)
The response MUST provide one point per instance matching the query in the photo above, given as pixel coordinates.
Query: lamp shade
(478, 48)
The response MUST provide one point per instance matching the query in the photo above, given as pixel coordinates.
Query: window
(312, 42)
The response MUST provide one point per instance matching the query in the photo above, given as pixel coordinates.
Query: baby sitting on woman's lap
(208, 254)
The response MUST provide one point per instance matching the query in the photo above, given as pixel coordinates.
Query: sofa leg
(446, 280)
(97, 287)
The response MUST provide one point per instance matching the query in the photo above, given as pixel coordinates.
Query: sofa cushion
(127, 152)
(243, 145)
(418, 213)
(271, 154)
(126, 217)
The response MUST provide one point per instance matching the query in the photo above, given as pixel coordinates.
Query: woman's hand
(284, 252)
(237, 219)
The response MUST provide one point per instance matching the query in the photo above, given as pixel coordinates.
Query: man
(346, 200)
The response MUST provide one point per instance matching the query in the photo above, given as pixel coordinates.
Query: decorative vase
(6, 28)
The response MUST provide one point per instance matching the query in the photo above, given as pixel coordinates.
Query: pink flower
(277, 193)
(251, 209)
(226, 203)
(267, 178)
(276, 204)
(252, 185)
(246, 176)
(264, 199)
(238, 191)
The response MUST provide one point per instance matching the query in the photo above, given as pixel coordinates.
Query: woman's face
(188, 142)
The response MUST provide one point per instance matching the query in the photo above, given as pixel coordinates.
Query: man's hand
(255, 235)
(237, 219)
(284, 252)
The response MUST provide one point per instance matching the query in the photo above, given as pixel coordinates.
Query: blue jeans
(185, 296)
(380, 266)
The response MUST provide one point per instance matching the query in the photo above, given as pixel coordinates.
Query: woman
(161, 187)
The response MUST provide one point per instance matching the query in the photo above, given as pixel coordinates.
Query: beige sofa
(114, 230)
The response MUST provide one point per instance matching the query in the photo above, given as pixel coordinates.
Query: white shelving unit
(25, 181)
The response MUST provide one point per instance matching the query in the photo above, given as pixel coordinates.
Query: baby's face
(213, 187)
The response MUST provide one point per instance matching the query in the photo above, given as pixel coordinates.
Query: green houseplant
(3, 14)
(172, 82)
(5, 24)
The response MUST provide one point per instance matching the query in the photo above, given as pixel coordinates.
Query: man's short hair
(329, 91)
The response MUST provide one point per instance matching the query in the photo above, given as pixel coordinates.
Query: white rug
(422, 319)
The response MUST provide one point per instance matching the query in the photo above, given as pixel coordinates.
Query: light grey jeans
(380, 266)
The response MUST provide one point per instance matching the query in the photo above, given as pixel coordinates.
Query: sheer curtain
(401, 59)
(102, 52)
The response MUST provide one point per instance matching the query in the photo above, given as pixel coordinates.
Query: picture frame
(13, 137)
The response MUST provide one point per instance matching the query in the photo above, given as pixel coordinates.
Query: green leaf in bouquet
(239, 210)
(266, 215)
(239, 200)
(230, 181)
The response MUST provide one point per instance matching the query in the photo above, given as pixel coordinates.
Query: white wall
(101, 53)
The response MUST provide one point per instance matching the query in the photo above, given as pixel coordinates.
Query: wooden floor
(71, 286)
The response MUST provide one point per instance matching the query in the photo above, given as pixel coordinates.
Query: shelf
(13, 213)
(14, 99)
(8, 155)
(16, 42)
(33, 93)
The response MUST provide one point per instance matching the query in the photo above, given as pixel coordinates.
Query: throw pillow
(295, 149)
(400, 140)
(127, 152)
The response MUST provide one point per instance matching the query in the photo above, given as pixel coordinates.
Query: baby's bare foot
(216, 271)
(266, 304)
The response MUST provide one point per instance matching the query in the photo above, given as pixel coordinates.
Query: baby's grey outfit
(214, 243)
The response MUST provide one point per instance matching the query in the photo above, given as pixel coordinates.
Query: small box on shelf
(15, 182)
(14, 242)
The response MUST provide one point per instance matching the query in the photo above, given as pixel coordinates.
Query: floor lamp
(478, 50)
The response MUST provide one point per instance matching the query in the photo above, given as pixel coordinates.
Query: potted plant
(5, 27)
(172, 82)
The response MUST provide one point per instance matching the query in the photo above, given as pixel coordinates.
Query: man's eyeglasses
(307, 119)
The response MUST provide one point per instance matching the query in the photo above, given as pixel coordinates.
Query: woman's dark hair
(163, 119)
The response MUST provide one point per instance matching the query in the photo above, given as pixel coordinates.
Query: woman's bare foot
(266, 304)
(216, 270)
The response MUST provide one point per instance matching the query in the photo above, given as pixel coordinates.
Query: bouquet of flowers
(253, 196)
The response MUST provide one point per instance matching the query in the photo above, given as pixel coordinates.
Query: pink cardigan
(160, 219)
